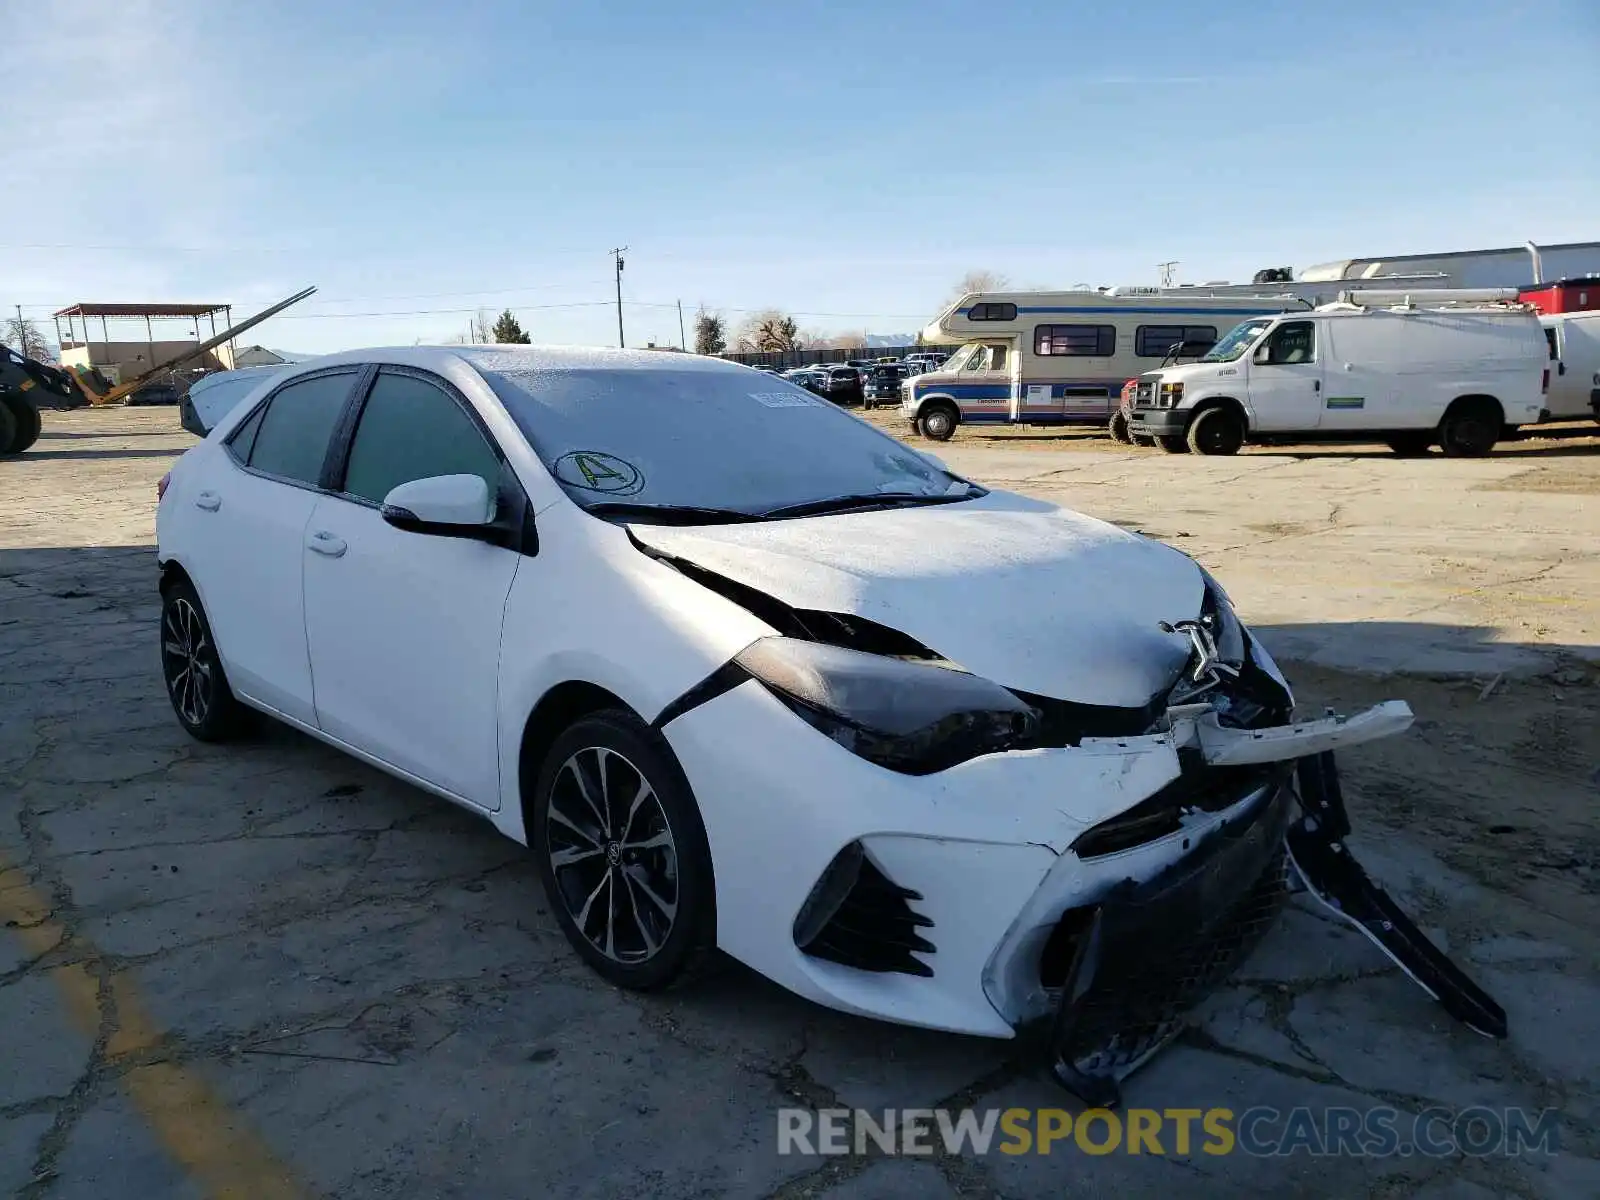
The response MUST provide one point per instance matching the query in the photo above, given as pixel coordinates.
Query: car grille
(875, 928)
(1144, 395)
(1166, 946)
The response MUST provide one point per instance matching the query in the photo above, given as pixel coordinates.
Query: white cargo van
(1409, 376)
(1574, 340)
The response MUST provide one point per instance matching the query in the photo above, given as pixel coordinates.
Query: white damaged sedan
(746, 673)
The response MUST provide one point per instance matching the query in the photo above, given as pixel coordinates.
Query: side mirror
(444, 505)
(1263, 354)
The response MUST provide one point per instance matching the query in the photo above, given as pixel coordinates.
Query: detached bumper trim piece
(1332, 875)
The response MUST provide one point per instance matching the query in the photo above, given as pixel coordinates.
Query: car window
(412, 429)
(243, 439)
(1292, 343)
(704, 437)
(293, 438)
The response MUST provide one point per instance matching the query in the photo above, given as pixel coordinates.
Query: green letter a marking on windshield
(597, 475)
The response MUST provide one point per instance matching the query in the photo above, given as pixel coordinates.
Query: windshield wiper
(834, 504)
(669, 514)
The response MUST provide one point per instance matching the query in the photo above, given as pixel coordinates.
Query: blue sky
(845, 162)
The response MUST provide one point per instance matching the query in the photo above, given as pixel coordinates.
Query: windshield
(1236, 342)
(705, 439)
(958, 360)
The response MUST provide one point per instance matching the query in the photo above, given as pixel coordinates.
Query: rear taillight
(1545, 386)
(161, 487)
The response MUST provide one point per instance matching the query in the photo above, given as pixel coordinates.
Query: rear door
(404, 628)
(1573, 366)
(243, 540)
(1286, 379)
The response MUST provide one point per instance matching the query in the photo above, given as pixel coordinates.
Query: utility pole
(683, 341)
(617, 254)
(1168, 272)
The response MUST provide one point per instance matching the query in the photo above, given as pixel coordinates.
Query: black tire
(197, 685)
(1118, 428)
(939, 422)
(1143, 439)
(1470, 428)
(1172, 443)
(1410, 445)
(1216, 431)
(668, 929)
(8, 429)
(29, 423)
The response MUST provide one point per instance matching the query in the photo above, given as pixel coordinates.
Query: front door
(1286, 380)
(984, 384)
(404, 628)
(248, 524)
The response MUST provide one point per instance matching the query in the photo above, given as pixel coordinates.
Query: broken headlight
(1217, 615)
(911, 716)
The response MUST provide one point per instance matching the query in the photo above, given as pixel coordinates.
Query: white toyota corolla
(746, 673)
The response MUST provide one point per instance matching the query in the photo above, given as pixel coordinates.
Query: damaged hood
(1034, 597)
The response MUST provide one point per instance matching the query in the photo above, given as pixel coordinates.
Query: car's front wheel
(196, 683)
(622, 853)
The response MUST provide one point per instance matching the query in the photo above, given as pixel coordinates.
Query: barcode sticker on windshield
(794, 399)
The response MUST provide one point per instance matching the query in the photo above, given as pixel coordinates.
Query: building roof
(141, 310)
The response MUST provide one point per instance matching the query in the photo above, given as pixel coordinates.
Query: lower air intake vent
(872, 925)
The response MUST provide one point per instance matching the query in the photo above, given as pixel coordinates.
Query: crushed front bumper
(1146, 953)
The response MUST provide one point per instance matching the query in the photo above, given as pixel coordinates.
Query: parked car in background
(807, 377)
(1183, 352)
(883, 385)
(842, 385)
(213, 396)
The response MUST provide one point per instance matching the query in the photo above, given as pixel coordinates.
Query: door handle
(1316, 385)
(209, 501)
(326, 543)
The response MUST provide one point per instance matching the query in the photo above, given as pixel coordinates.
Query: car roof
(239, 373)
(525, 358)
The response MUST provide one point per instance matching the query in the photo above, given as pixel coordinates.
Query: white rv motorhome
(1051, 358)
(1410, 376)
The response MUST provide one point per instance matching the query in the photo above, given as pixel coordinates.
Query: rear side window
(412, 429)
(1154, 341)
(1075, 341)
(242, 439)
(990, 311)
(293, 437)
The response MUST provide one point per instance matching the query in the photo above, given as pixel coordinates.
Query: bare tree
(710, 332)
(980, 281)
(483, 327)
(770, 329)
(23, 336)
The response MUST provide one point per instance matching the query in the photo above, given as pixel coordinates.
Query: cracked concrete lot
(267, 970)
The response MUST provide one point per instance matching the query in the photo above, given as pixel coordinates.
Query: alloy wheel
(613, 855)
(186, 659)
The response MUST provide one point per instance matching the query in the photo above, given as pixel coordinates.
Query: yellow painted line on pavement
(210, 1140)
